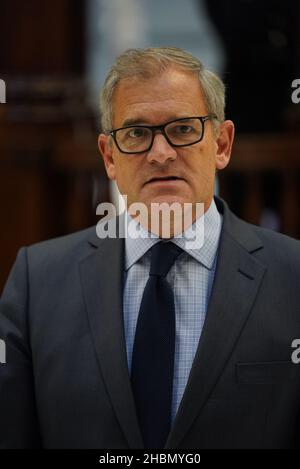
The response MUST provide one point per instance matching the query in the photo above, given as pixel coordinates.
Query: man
(132, 343)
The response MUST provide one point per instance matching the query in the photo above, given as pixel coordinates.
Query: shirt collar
(135, 248)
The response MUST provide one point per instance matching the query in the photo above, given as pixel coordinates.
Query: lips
(164, 178)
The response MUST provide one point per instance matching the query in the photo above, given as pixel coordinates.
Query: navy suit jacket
(65, 383)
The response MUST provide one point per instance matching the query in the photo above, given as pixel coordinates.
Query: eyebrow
(134, 122)
(139, 121)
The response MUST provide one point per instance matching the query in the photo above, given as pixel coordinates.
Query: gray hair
(148, 63)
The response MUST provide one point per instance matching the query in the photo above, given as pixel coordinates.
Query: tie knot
(163, 256)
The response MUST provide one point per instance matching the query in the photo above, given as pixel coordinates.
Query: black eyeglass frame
(154, 128)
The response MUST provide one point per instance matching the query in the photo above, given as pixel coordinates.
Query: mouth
(164, 179)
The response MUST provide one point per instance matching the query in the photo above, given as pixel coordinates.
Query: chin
(169, 199)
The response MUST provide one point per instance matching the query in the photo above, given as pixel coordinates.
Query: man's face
(171, 95)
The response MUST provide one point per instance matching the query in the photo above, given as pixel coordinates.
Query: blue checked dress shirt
(191, 278)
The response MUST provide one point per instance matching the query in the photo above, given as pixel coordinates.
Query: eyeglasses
(178, 133)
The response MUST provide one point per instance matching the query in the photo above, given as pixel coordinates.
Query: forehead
(172, 94)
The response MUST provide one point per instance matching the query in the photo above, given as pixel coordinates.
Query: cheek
(201, 165)
(126, 175)
(202, 173)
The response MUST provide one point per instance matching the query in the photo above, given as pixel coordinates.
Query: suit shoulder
(277, 241)
(253, 237)
(270, 247)
(280, 252)
(59, 248)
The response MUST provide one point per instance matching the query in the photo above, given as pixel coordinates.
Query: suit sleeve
(18, 416)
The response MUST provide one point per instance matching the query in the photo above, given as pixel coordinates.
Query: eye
(137, 132)
(183, 129)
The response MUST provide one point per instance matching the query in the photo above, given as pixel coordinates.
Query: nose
(161, 151)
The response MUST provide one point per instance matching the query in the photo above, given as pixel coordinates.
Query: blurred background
(54, 57)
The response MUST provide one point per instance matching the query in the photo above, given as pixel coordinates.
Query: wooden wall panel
(39, 37)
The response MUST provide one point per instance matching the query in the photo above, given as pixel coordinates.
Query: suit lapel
(237, 281)
(101, 276)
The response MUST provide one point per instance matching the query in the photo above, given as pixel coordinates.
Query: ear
(106, 149)
(224, 144)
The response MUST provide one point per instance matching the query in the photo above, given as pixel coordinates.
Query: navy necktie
(154, 347)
